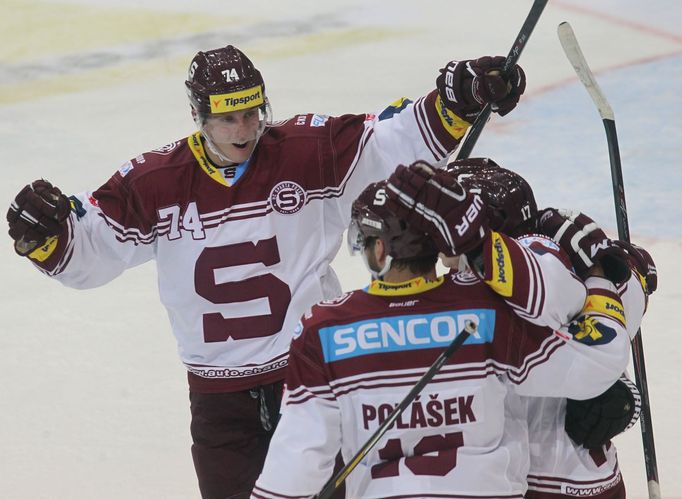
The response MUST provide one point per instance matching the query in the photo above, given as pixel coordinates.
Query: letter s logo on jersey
(404, 332)
(287, 198)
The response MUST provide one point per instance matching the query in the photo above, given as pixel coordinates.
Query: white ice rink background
(93, 400)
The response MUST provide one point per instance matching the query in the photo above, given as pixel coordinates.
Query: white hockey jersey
(353, 359)
(238, 265)
(558, 467)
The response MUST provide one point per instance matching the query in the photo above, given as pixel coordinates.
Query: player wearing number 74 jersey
(354, 358)
(243, 218)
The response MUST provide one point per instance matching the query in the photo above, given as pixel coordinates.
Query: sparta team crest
(287, 197)
(167, 149)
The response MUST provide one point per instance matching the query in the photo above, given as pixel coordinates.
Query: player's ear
(380, 252)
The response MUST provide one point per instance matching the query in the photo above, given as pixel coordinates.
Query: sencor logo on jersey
(287, 197)
(404, 332)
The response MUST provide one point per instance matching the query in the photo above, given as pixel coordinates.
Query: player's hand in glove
(641, 261)
(585, 243)
(593, 422)
(38, 212)
(433, 201)
(467, 86)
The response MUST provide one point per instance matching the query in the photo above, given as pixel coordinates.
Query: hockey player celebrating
(243, 218)
(355, 357)
(570, 449)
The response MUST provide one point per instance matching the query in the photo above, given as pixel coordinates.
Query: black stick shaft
(532, 18)
(646, 424)
(569, 42)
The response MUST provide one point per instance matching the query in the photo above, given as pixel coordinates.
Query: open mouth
(240, 146)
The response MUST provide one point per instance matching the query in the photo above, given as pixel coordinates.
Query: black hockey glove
(592, 423)
(432, 201)
(37, 213)
(585, 243)
(641, 261)
(467, 86)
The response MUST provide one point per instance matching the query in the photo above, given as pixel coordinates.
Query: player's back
(453, 440)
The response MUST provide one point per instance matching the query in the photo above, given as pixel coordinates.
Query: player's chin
(239, 151)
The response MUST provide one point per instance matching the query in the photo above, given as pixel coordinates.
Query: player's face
(234, 133)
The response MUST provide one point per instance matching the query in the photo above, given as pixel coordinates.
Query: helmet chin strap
(377, 274)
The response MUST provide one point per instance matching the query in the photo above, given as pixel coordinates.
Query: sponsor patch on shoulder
(527, 241)
(126, 168)
(298, 330)
(394, 108)
(590, 331)
(318, 120)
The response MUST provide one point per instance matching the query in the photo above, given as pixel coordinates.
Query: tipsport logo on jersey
(404, 332)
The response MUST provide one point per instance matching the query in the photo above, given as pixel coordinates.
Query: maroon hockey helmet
(508, 198)
(370, 218)
(224, 80)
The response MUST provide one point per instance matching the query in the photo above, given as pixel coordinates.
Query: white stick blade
(572, 49)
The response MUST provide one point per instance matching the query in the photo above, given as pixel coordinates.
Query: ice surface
(93, 401)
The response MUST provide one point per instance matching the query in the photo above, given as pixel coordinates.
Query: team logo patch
(167, 149)
(589, 331)
(404, 332)
(466, 278)
(335, 302)
(287, 197)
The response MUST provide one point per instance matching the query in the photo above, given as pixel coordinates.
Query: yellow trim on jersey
(43, 252)
(411, 287)
(605, 305)
(502, 272)
(197, 148)
(235, 101)
(642, 281)
(454, 125)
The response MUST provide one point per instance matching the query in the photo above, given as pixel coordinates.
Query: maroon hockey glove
(641, 261)
(37, 213)
(594, 422)
(585, 243)
(467, 86)
(434, 202)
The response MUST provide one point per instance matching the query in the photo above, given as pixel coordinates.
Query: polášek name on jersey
(404, 332)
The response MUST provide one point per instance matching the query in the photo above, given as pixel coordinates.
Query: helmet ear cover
(508, 198)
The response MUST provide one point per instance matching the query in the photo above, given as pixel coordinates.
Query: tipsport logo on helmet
(236, 101)
(404, 332)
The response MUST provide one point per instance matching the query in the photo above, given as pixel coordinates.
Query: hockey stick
(336, 481)
(577, 59)
(466, 147)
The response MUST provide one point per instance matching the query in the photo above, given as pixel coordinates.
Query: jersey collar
(411, 287)
(197, 148)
